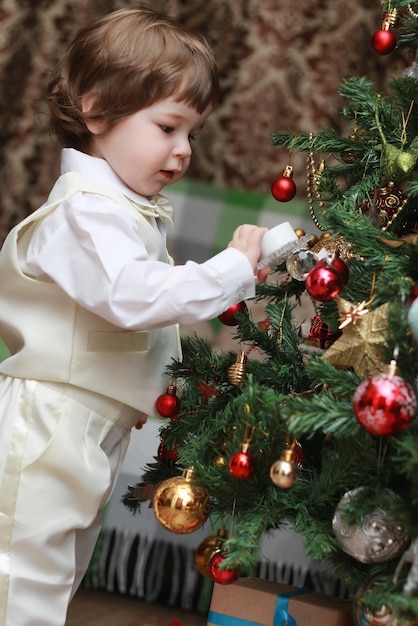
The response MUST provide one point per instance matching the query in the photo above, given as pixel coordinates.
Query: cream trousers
(61, 451)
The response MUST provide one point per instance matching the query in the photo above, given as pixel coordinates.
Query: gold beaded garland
(412, 12)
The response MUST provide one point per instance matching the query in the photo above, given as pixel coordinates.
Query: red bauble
(168, 454)
(318, 329)
(338, 265)
(284, 189)
(323, 283)
(383, 41)
(297, 452)
(383, 204)
(384, 404)
(228, 317)
(221, 576)
(414, 294)
(241, 465)
(168, 404)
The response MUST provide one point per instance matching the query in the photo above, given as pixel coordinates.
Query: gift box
(256, 602)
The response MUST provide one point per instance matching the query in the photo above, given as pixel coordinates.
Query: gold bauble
(334, 245)
(219, 461)
(385, 616)
(313, 240)
(181, 505)
(237, 373)
(363, 615)
(284, 472)
(206, 550)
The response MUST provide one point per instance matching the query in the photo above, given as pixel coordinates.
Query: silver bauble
(379, 538)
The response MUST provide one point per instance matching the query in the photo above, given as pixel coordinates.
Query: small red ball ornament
(284, 189)
(324, 283)
(337, 264)
(228, 317)
(385, 404)
(414, 294)
(241, 464)
(168, 404)
(383, 41)
(222, 576)
(165, 454)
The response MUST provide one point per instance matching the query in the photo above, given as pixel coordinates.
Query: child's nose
(183, 149)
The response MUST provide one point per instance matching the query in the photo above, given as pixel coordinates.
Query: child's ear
(88, 104)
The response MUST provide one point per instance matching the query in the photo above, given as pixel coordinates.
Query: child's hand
(142, 418)
(247, 239)
(263, 274)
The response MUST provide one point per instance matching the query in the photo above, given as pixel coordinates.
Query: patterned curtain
(281, 62)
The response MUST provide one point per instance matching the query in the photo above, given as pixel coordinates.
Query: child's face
(150, 148)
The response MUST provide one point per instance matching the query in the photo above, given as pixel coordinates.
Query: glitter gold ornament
(180, 504)
(360, 344)
(333, 245)
(237, 373)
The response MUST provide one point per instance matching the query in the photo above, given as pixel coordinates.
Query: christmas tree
(314, 423)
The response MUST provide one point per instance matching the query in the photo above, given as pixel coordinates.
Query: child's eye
(167, 129)
(192, 137)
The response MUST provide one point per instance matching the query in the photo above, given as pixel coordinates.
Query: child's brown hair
(128, 59)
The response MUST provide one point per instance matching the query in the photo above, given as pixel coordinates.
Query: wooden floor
(98, 608)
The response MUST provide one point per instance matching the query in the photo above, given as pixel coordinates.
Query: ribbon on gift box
(281, 614)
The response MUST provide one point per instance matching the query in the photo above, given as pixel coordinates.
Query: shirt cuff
(236, 274)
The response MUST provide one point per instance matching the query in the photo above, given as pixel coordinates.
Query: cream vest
(52, 338)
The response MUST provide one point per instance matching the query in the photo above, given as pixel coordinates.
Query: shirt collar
(75, 161)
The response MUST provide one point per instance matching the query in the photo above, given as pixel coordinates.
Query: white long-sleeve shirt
(91, 248)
